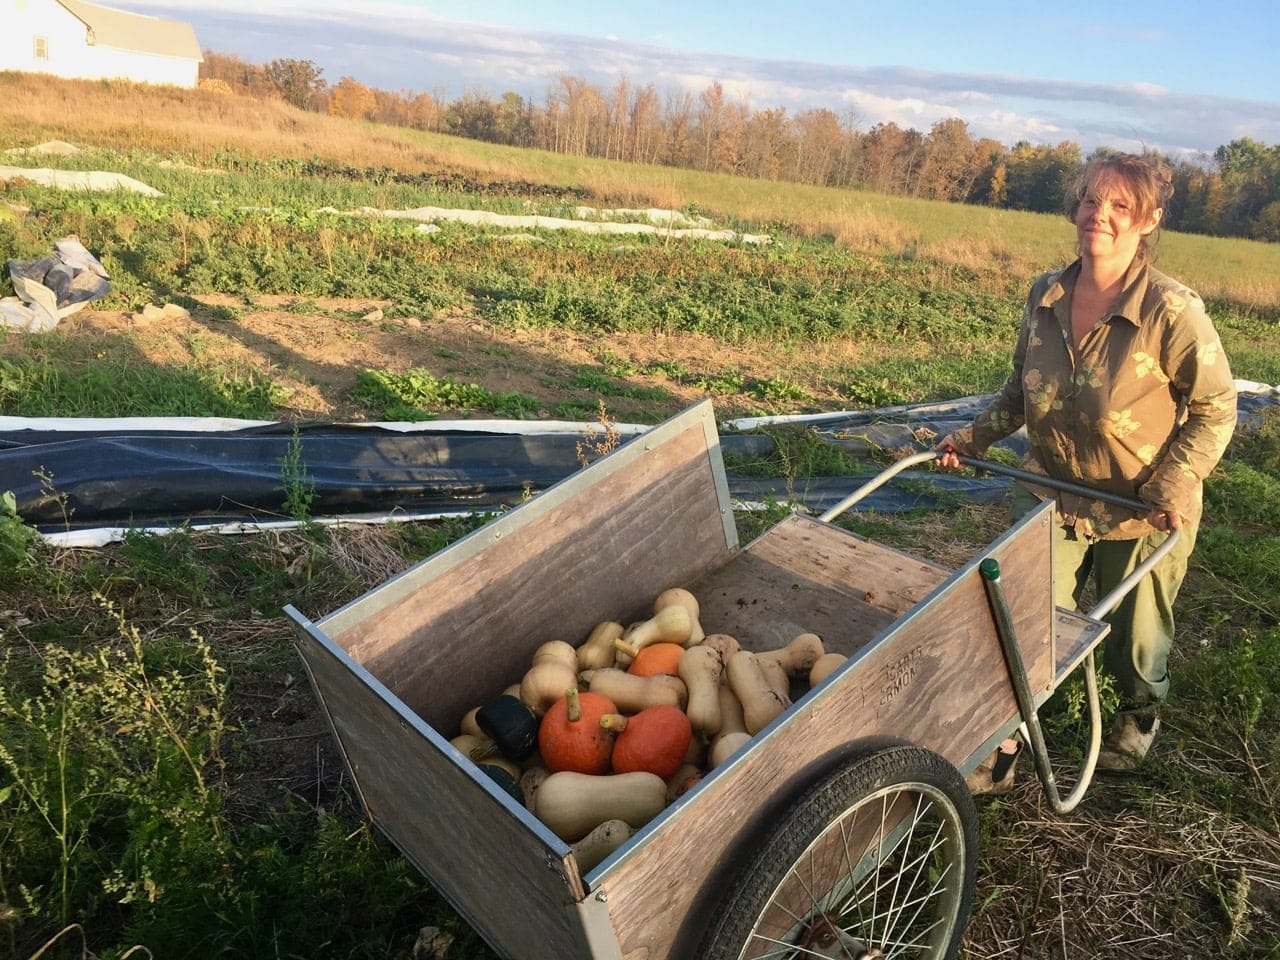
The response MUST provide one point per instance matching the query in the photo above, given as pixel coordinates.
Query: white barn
(69, 38)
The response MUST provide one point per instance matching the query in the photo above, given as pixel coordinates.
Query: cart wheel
(877, 861)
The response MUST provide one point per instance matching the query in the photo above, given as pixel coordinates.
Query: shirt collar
(1129, 301)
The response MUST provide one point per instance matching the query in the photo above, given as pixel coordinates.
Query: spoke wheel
(876, 861)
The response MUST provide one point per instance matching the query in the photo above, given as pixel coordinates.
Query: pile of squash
(597, 739)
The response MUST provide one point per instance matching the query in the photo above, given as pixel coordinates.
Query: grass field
(166, 781)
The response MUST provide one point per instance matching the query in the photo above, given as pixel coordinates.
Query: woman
(1121, 382)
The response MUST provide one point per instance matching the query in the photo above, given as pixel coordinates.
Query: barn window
(42, 48)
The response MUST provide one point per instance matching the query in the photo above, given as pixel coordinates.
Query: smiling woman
(1121, 382)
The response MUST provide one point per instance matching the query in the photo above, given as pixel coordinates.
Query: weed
(593, 446)
(412, 395)
(113, 768)
(18, 541)
(299, 487)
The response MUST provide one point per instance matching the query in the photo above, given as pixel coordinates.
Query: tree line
(1235, 192)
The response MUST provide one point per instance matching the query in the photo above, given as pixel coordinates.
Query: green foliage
(33, 387)
(168, 563)
(797, 453)
(607, 386)
(418, 393)
(18, 541)
(299, 487)
(112, 776)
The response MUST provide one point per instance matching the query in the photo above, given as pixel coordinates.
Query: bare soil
(316, 348)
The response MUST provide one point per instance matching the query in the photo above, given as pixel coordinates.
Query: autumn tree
(1250, 181)
(296, 81)
(817, 146)
(679, 126)
(767, 144)
(352, 100)
(644, 125)
(1039, 175)
(949, 165)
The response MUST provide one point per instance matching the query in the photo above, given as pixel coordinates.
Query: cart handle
(990, 571)
(1066, 486)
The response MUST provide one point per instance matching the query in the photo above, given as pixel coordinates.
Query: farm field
(220, 821)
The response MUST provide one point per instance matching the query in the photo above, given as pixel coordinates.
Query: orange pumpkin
(570, 736)
(657, 658)
(654, 740)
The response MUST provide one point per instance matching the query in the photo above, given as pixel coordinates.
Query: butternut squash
(824, 666)
(530, 781)
(678, 595)
(701, 668)
(731, 718)
(669, 625)
(732, 723)
(554, 670)
(724, 747)
(726, 645)
(467, 744)
(592, 849)
(469, 725)
(775, 677)
(760, 702)
(632, 694)
(683, 780)
(597, 650)
(573, 804)
(797, 657)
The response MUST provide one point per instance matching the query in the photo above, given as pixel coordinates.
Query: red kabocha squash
(655, 740)
(570, 736)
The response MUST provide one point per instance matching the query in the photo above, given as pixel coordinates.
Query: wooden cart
(843, 827)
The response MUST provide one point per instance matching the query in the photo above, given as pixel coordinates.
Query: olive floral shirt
(1144, 407)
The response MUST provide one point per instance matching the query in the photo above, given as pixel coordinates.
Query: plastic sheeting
(86, 474)
(52, 287)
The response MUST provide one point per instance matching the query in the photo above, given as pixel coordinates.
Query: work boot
(1128, 742)
(995, 774)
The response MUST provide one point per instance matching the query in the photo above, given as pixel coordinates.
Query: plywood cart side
(653, 514)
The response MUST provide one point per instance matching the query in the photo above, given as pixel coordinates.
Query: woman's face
(1106, 227)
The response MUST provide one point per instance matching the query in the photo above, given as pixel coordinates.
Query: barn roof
(135, 31)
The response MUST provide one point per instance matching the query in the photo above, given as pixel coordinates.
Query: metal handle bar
(990, 571)
(876, 482)
(1109, 602)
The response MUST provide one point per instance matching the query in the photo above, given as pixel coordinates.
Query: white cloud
(413, 50)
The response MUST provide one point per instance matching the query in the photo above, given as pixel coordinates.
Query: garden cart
(842, 829)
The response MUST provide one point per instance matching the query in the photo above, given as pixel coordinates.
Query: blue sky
(1182, 77)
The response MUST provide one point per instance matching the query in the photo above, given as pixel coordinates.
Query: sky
(1179, 76)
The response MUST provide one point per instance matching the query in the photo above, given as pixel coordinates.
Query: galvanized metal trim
(597, 925)
(721, 482)
(306, 630)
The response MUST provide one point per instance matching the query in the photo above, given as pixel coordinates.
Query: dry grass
(1111, 881)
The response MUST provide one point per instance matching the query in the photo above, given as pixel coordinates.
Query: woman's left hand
(1164, 520)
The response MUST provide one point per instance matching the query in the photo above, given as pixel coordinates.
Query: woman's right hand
(952, 450)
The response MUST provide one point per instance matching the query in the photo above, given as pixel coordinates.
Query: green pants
(1136, 651)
